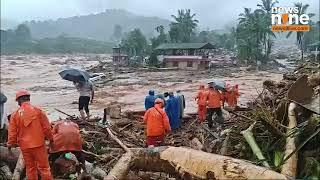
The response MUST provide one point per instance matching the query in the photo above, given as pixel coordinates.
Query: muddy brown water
(39, 74)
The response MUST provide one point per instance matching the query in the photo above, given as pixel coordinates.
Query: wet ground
(39, 74)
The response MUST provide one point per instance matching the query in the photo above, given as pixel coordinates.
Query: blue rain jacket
(149, 100)
(173, 112)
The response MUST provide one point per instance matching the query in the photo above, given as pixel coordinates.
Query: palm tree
(266, 7)
(160, 28)
(183, 26)
(299, 34)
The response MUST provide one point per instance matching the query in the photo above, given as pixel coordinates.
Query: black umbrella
(75, 75)
(218, 84)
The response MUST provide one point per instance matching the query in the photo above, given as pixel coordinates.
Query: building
(189, 56)
(119, 56)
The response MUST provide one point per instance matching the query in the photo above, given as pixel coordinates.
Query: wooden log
(118, 140)
(224, 147)
(199, 164)
(121, 169)
(19, 168)
(290, 166)
(214, 134)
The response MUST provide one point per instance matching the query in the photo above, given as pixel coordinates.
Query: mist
(213, 14)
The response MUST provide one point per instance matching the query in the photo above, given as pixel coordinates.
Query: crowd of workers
(29, 126)
(164, 112)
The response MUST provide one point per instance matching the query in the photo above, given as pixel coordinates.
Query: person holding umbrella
(86, 92)
(81, 80)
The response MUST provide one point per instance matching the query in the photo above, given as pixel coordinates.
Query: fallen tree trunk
(19, 167)
(290, 166)
(198, 164)
(118, 140)
(121, 169)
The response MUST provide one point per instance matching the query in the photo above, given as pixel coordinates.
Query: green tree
(313, 35)
(254, 35)
(299, 34)
(155, 42)
(135, 44)
(23, 33)
(183, 26)
(266, 7)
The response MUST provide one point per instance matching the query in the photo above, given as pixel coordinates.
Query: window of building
(189, 64)
(175, 64)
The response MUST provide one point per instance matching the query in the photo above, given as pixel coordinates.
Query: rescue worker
(86, 92)
(214, 98)
(182, 103)
(29, 126)
(149, 100)
(66, 139)
(172, 109)
(157, 123)
(161, 96)
(231, 96)
(201, 99)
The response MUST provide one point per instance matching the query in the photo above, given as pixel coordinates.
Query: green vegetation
(254, 35)
(183, 26)
(19, 41)
(136, 46)
(300, 35)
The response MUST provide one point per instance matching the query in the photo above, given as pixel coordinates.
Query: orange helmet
(22, 92)
(158, 101)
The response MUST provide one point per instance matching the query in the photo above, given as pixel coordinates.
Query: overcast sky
(210, 13)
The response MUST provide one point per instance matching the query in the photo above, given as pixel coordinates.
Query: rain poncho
(182, 104)
(173, 112)
(149, 100)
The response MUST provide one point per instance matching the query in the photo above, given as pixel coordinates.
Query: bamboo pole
(248, 135)
(290, 166)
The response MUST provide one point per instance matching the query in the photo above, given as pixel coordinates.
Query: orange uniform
(202, 101)
(214, 98)
(66, 137)
(232, 97)
(29, 126)
(157, 121)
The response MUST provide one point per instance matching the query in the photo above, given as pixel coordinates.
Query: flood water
(39, 74)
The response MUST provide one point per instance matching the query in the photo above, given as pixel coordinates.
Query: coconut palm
(267, 5)
(183, 26)
(299, 34)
